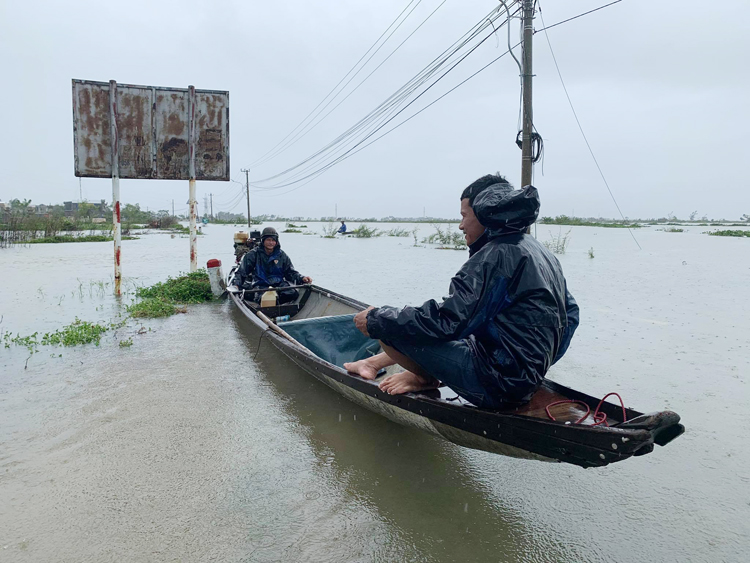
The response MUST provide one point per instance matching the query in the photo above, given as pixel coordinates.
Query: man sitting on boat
(267, 266)
(507, 319)
(342, 229)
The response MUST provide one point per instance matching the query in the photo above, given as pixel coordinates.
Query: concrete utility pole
(212, 206)
(247, 188)
(528, 113)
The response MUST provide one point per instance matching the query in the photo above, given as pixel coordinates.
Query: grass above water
(162, 299)
(72, 238)
(730, 233)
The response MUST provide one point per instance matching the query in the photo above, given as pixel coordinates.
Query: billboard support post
(116, 224)
(126, 131)
(191, 180)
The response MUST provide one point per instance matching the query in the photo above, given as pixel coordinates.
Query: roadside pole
(116, 224)
(528, 114)
(191, 175)
(247, 189)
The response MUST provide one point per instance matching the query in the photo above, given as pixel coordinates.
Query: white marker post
(116, 224)
(191, 175)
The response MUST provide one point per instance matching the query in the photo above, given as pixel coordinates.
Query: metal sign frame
(150, 132)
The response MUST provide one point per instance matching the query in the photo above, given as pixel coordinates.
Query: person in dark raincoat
(509, 315)
(269, 266)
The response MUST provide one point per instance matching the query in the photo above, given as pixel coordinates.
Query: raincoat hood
(503, 210)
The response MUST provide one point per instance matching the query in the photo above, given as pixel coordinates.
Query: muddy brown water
(189, 446)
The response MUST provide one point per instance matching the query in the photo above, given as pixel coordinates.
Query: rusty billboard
(153, 132)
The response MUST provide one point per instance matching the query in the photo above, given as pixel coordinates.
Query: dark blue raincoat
(509, 301)
(258, 269)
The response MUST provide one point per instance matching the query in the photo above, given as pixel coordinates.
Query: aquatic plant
(127, 343)
(291, 231)
(558, 244)
(161, 299)
(729, 233)
(446, 238)
(363, 231)
(78, 332)
(578, 222)
(329, 230)
(398, 232)
(672, 230)
(293, 226)
(187, 288)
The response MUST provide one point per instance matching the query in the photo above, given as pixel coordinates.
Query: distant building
(70, 207)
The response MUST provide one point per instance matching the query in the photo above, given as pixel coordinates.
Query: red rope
(599, 417)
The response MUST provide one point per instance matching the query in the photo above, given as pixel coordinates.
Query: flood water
(201, 442)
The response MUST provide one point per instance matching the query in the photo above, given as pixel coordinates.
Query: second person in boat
(508, 316)
(267, 266)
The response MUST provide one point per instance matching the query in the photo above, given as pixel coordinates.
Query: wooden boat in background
(320, 336)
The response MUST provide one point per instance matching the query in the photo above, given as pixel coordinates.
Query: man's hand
(360, 321)
(307, 279)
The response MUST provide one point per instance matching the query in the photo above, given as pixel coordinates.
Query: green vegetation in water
(161, 299)
(363, 231)
(78, 332)
(398, 232)
(329, 230)
(127, 343)
(153, 308)
(558, 244)
(291, 231)
(187, 288)
(447, 238)
(183, 230)
(577, 222)
(73, 238)
(293, 226)
(729, 233)
(672, 230)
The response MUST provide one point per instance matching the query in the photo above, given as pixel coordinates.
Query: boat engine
(244, 243)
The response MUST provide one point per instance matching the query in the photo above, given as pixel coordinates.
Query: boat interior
(323, 323)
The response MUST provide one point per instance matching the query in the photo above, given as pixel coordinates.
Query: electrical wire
(344, 78)
(580, 127)
(393, 101)
(300, 135)
(399, 97)
(325, 167)
(574, 17)
(409, 118)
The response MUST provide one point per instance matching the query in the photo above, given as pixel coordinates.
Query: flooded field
(200, 442)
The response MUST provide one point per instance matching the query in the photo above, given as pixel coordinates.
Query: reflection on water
(188, 447)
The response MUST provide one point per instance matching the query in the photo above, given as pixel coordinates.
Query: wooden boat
(320, 336)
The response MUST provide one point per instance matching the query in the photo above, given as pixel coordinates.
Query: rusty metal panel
(172, 134)
(91, 133)
(212, 130)
(152, 125)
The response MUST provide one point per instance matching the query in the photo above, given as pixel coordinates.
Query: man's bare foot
(407, 382)
(363, 368)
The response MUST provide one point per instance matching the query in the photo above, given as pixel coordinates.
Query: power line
(573, 18)
(580, 127)
(312, 126)
(353, 152)
(258, 161)
(396, 99)
(393, 100)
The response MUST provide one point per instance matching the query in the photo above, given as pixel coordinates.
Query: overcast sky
(661, 90)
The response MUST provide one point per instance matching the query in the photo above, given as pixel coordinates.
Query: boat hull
(503, 433)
